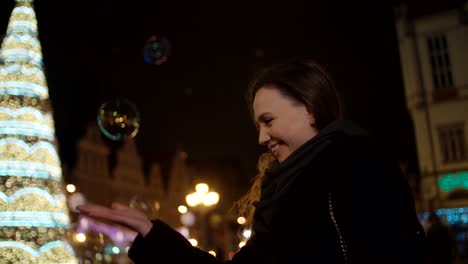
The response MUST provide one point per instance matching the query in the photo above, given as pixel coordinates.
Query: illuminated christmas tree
(34, 218)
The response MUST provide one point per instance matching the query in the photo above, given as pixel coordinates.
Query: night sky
(93, 53)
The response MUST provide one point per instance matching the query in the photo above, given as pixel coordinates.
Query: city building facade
(434, 61)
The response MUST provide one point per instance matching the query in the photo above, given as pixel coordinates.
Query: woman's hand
(119, 213)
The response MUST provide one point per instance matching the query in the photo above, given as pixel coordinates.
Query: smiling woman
(322, 163)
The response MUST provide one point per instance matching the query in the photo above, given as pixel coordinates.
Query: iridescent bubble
(139, 203)
(151, 209)
(157, 50)
(118, 119)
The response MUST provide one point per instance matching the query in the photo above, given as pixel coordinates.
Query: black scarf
(277, 179)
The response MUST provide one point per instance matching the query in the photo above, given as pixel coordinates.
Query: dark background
(93, 53)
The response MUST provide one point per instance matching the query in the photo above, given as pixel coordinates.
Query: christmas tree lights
(34, 217)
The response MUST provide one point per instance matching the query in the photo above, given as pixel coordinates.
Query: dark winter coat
(441, 244)
(336, 199)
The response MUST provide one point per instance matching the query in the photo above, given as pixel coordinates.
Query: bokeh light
(241, 220)
(71, 188)
(246, 233)
(193, 241)
(188, 219)
(119, 119)
(80, 237)
(182, 209)
(75, 199)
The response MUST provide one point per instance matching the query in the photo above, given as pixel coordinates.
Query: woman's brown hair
(305, 81)
(244, 206)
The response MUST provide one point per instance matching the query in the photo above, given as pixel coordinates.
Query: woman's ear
(311, 118)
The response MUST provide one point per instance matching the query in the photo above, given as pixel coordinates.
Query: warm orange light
(202, 196)
(71, 188)
(182, 209)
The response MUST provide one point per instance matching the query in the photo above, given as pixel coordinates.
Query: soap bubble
(118, 119)
(157, 50)
(139, 203)
(150, 208)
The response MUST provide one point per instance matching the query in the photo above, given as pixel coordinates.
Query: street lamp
(201, 200)
(202, 196)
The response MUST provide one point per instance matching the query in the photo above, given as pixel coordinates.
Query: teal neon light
(451, 181)
(37, 253)
(31, 218)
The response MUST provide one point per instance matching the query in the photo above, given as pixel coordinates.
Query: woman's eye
(268, 121)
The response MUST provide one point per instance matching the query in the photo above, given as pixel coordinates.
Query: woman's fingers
(99, 210)
(88, 208)
(119, 206)
(132, 219)
(120, 214)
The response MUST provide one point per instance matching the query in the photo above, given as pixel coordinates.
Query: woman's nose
(263, 137)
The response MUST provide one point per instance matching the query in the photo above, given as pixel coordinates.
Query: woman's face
(283, 122)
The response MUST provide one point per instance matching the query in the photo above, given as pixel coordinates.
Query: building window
(440, 62)
(452, 143)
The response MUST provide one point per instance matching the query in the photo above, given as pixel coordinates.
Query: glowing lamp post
(201, 200)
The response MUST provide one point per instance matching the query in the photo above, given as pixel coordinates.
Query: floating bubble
(151, 209)
(157, 50)
(139, 203)
(119, 119)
